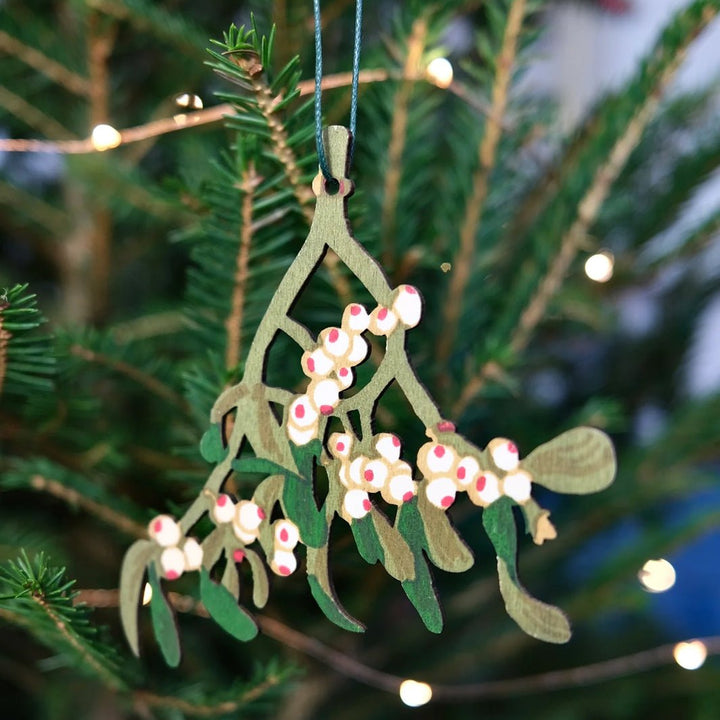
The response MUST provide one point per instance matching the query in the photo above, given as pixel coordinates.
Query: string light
(105, 137)
(189, 100)
(599, 267)
(690, 655)
(415, 694)
(147, 594)
(657, 576)
(440, 72)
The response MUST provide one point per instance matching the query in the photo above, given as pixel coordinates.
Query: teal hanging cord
(322, 158)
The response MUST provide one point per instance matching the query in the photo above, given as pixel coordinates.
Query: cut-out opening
(282, 363)
(332, 186)
(277, 409)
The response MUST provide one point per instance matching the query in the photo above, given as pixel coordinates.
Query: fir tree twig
(462, 264)
(43, 64)
(155, 386)
(32, 115)
(102, 512)
(398, 134)
(234, 321)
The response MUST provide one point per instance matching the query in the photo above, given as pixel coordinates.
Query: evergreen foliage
(155, 263)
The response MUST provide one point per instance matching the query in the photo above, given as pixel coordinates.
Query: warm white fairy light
(147, 594)
(599, 267)
(189, 100)
(690, 655)
(105, 137)
(657, 575)
(415, 693)
(440, 72)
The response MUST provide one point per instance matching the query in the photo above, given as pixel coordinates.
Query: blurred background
(566, 153)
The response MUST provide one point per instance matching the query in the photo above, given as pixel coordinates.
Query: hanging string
(322, 158)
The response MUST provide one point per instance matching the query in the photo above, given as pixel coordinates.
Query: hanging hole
(332, 186)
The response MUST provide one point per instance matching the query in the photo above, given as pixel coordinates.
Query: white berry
(172, 562)
(224, 509)
(356, 504)
(193, 552)
(467, 471)
(517, 486)
(375, 473)
(408, 305)
(485, 490)
(283, 563)
(164, 531)
(301, 437)
(325, 395)
(302, 414)
(441, 492)
(287, 534)
(317, 363)
(340, 445)
(382, 321)
(355, 318)
(336, 342)
(388, 446)
(504, 453)
(358, 351)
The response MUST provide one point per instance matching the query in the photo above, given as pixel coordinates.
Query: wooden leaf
(378, 541)
(421, 593)
(445, 547)
(261, 585)
(163, 621)
(577, 462)
(541, 621)
(544, 622)
(132, 577)
(224, 609)
(324, 593)
(211, 444)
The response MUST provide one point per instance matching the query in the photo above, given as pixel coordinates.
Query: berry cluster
(285, 537)
(384, 472)
(329, 365)
(244, 515)
(447, 473)
(175, 558)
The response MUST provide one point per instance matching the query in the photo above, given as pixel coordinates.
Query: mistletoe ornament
(365, 471)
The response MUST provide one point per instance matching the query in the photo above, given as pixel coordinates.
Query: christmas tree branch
(356, 670)
(93, 507)
(155, 386)
(43, 64)
(664, 65)
(170, 702)
(398, 133)
(50, 218)
(32, 115)
(234, 321)
(462, 264)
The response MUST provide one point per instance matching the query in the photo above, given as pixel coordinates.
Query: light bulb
(657, 576)
(440, 72)
(105, 137)
(147, 594)
(414, 693)
(189, 100)
(690, 655)
(599, 267)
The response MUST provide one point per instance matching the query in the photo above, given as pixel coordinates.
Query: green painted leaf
(577, 462)
(132, 576)
(259, 465)
(299, 505)
(367, 541)
(421, 593)
(163, 621)
(261, 585)
(224, 609)
(211, 444)
(304, 456)
(322, 590)
(541, 621)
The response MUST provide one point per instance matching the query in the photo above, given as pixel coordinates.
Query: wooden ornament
(365, 472)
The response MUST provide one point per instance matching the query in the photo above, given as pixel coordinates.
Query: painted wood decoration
(366, 471)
